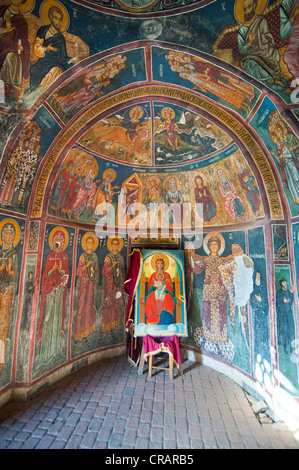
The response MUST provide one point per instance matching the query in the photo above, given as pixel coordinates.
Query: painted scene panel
(160, 307)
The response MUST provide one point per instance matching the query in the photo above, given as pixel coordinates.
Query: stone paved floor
(110, 406)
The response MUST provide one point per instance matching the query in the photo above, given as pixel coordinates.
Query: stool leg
(141, 363)
(150, 365)
(171, 367)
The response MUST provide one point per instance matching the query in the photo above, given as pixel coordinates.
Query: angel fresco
(226, 279)
(9, 275)
(180, 139)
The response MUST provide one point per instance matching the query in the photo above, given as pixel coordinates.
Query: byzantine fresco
(283, 145)
(221, 277)
(277, 65)
(179, 136)
(99, 298)
(285, 329)
(124, 136)
(204, 77)
(230, 322)
(100, 78)
(227, 191)
(11, 253)
(52, 327)
(156, 150)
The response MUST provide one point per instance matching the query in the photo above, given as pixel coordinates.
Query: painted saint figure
(159, 303)
(215, 293)
(203, 196)
(53, 296)
(14, 47)
(284, 316)
(9, 274)
(261, 58)
(174, 200)
(232, 202)
(87, 288)
(113, 273)
(50, 48)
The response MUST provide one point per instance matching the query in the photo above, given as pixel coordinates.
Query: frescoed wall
(164, 125)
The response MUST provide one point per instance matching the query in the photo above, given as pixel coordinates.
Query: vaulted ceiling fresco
(106, 104)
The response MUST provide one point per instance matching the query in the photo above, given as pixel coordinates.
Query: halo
(157, 180)
(136, 108)
(44, 11)
(158, 256)
(168, 110)
(239, 13)
(27, 6)
(217, 235)
(52, 234)
(90, 235)
(121, 243)
(16, 227)
(111, 171)
(166, 182)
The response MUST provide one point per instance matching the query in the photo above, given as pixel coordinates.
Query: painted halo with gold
(214, 235)
(239, 12)
(168, 111)
(16, 229)
(44, 13)
(220, 168)
(159, 256)
(54, 232)
(166, 182)
(153, 178)
(109, 241)
(27, 6)
(109, 170)
(89, 235)
(138, 109)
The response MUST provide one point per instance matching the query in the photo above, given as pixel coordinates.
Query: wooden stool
(151, 366)
(151, 347)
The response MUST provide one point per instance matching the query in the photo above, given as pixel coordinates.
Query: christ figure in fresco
(159, 303)
(113, 273)
(87, 287)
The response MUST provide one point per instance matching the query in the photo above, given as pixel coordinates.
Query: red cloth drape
(131, 284)
(152, 345)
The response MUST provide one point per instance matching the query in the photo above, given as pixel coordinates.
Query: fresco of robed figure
(160, 307)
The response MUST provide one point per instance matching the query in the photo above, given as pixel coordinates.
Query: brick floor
(109, 406)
